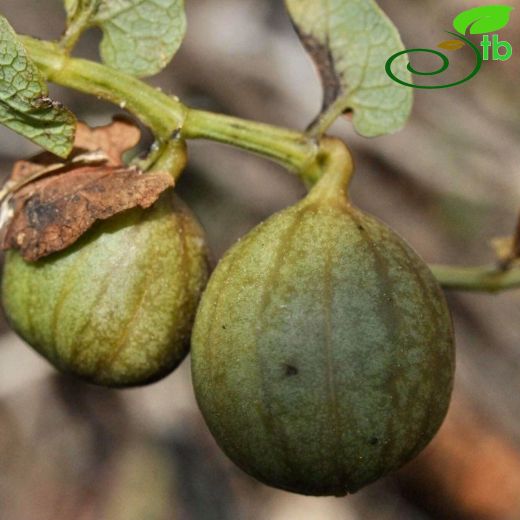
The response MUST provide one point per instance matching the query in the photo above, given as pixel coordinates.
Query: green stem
(479, 278)
(337, 167)
(78, 23)
(320, 125)
(291, 149)
(163, 114)
(166, 115)
(172, 158)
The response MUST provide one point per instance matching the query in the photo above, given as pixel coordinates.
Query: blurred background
(449, 183)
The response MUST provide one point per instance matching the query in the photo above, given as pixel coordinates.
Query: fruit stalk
(486, 278)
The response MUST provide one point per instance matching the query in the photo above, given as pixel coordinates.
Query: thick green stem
(291, 149)
(166, 115)
(325, 120)
(337, 167)
(163, 114)
(480, 278)
(78, 23)
(172, 158)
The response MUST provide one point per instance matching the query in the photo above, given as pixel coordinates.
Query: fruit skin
(116, 308)
(322, 350)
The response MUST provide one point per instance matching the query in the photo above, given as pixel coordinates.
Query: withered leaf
(111, 141)
(53, 211)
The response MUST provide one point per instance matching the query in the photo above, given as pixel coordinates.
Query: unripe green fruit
(322, 351)
(116, 308)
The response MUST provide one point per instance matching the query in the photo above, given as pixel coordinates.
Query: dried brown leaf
(53, 211)
(111, 141)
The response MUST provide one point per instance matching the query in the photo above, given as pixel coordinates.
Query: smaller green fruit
(117, 307)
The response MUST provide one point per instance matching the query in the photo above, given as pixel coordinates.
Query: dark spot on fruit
(374, 441)
(224, 327)
(290, 370)
(360, 227)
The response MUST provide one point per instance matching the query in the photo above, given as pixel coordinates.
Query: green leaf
(24, 103)
(140, 36)
(350, 42)
(482, 20)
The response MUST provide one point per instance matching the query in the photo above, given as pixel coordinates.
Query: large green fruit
(322, 351)
(117, 307)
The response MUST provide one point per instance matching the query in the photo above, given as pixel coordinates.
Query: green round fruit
(323, 350)
(117, 307)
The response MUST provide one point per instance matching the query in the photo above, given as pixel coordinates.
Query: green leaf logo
(482, 20)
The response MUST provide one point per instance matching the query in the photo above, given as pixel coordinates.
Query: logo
(479, 20)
